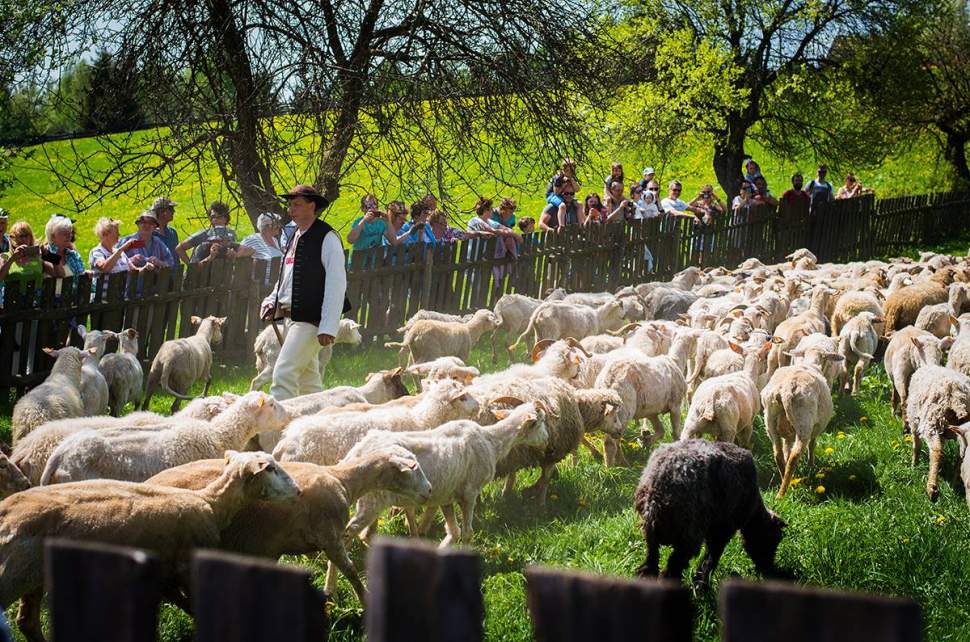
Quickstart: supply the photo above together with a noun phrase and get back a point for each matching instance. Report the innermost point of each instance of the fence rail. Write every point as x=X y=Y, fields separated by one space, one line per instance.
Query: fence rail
x=419 y=592
x=386 y=285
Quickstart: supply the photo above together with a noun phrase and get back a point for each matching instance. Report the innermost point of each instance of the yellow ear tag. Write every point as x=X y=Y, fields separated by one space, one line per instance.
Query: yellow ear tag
x=262 y=402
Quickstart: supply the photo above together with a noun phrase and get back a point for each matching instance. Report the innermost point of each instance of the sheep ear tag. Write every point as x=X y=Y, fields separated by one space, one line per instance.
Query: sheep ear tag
x=500 y=414
x=261 y=402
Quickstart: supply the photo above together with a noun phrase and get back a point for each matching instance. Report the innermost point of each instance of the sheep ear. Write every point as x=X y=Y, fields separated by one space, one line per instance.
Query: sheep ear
x=221 y=320
x=92 y=351
x=916 y=342
x=736 y=347
x=953 y=320
x=403 y=464
x=51 y=352
x=833 y=356
x=229 y=454
x=500 y=414
x=132 y=333
x=81 y=331
x=195 y=320
x=946 y=343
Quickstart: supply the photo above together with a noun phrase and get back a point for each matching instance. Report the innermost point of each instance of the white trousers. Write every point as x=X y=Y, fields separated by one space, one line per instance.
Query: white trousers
x=297 y=370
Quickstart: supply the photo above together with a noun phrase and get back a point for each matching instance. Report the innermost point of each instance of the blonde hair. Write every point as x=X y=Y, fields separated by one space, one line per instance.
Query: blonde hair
x=57 y=224
x=104 y=224
x=21 y=227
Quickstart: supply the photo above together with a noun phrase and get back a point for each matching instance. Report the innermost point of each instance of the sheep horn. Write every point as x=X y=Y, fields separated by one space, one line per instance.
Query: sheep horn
x=573 y=343
x=540 y=347
x=623 y=330
x=512 y=401
x=396 y=372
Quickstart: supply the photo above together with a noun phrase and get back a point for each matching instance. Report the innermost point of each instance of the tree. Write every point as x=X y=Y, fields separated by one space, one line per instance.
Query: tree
x=402 y=75
x=764 y=59
x=112 y=102
x=917 y=77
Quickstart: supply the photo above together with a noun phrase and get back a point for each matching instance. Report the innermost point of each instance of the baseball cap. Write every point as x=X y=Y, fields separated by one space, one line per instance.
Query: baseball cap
x=150 y=215
x=161 y=203
x=648 y=170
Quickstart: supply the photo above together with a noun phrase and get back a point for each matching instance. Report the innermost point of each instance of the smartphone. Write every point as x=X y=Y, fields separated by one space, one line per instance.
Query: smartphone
x=137 y=244
x=32 y=250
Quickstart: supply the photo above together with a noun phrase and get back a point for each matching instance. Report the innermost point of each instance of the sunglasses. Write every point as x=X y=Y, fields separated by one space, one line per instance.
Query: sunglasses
x=654 y=189
x=676 y=190
x=569 y=193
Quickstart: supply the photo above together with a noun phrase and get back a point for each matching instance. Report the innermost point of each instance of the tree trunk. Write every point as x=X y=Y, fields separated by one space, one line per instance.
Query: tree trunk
x=955 y=153
x=252 y=175
x=729 y=156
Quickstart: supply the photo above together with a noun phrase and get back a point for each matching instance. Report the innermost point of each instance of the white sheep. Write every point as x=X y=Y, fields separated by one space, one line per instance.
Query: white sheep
x=514 y=312
x=459 y=459
x=428 y=339
x=936 y=319
x=797 y=404
x=561 y=359
x=32 y=452
x=726 y=406
x=135 y=455
x=267 y=349
x=858 y=341
x=910 y=349
x=444 y=368
x=813 y=348
x=179 y=363
x=959 y=358
x=958 y=297
x=791 y=330
x=558 y=320
x=433 y=315
x=326 y=438
x=169 y=522
x=58 y=397
x=938 y=398
x=123 y=373
x=94 y=388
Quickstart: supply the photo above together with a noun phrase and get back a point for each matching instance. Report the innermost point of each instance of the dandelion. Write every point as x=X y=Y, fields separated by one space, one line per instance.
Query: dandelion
x=863 y=420
x=554 y=497
x=939 y=519
x=796 y=481
x=908 y=439
x=905 y=540
x=829 y=450
x=894 y=444
x=840 y=436
x=820 y=475
x=820 y=489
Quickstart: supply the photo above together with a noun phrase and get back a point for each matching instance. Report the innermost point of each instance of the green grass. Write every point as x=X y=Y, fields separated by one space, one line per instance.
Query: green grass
x=858 y=519
x=35 y=193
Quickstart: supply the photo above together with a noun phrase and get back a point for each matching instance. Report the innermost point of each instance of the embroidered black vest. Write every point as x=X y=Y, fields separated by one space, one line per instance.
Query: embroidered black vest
x=309 y=275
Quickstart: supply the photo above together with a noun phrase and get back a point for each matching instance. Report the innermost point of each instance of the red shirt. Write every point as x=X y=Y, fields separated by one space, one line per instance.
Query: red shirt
x=794 y=196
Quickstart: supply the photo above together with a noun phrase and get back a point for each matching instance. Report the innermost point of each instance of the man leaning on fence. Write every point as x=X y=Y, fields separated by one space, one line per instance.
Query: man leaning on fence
x=310 y=293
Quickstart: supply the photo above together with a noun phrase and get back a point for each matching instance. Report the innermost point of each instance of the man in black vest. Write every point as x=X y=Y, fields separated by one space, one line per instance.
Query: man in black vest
x=310 y=292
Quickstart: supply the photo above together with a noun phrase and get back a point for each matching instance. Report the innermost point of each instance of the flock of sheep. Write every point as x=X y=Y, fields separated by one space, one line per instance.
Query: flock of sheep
x=761 y=339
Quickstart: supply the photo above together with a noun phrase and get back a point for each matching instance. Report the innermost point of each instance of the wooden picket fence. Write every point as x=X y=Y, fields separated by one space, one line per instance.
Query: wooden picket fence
x=387 y=285
x=417 y=592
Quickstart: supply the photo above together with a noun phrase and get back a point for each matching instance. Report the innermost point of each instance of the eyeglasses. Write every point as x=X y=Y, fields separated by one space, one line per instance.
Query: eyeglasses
x=569 y=193
x=654 y=189
x=676 y=190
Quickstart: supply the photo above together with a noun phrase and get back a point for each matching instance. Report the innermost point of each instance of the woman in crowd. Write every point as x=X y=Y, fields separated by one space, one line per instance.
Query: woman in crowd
x=616 y=175
x=595 y=212
x=152 y=249
x=397 y=216
x=567 y=172
x=852 y=188
x=709 y=208
x=504 y=214
x=616 y=206
x=60 y=241
x=416 y=230
x=371 y=229
x=762 y=195
x=108 y=257
x=23 y=262
x=264 y=245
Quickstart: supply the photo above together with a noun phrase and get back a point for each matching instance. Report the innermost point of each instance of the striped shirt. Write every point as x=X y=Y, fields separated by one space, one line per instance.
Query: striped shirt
x=263 y=250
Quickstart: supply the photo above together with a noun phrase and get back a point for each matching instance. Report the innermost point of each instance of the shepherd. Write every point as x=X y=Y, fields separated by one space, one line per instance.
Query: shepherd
x=310 y=292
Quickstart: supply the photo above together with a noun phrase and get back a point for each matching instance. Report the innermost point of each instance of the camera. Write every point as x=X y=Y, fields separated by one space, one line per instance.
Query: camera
x=220 y=233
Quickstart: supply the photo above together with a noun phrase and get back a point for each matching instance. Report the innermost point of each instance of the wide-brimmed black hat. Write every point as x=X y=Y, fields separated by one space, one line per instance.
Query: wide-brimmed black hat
x=308 y=192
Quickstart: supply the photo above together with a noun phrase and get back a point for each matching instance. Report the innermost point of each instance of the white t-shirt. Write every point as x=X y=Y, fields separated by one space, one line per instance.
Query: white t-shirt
x=674 y=204
x=332 y=259
x=646 y=210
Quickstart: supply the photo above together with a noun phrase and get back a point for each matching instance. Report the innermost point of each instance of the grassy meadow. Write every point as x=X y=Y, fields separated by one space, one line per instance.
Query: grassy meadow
x=858 y=519
x=35 y=193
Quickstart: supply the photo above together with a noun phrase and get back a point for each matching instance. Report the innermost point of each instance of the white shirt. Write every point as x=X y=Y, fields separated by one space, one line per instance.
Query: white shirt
x=673 y=204
x=646 y=210
x=332 y=260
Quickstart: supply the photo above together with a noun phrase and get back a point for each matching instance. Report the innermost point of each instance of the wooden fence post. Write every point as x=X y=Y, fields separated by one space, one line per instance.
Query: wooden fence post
x=571 y=606
x=426 y=276
x=101 y=593
x=780 y=612
x=418 y=592
x=243 y=599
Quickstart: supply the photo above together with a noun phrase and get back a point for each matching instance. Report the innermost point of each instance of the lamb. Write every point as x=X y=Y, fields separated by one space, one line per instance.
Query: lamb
x=908 y=350
x=959 y=358
x=570 y=414
x=958 y=297
x=903 y=306
x=852 y=303
x=12 y=480
x=802 y=259
x=32 y=452
x=326 y=439
x=514 y=312
x=963 y=433
x=798 y=406
x=315 y=520
x=433 y=315
x=668 y=303
x=267 y=349
x=136 y=455
x=813 y=348
x=427 y=340
x=694 y=492
x=459 y=458
x=123 y=373
x=94 y=388
x=180 y=362
x=380 y=387
x=938 y=398
x=858 y=341
x=561 y=359
x=726 y=406
x=444 y=368
x=794 y=328
x=59 y=397
x=557 y=320
x=167 y=521
x=936 y=319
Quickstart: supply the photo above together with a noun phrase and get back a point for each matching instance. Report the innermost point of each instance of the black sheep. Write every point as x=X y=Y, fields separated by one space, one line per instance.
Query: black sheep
x=695 y=492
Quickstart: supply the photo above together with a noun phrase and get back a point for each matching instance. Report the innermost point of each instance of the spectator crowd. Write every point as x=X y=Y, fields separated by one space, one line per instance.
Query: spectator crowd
x=155 y=243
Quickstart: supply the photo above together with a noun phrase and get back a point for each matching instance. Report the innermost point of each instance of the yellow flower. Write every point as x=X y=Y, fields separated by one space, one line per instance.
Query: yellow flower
x=829 y=450
x=863 y=420
x=553 y=497
x=905 y=540
x=796 y=481
x=820 y=489
x=819 y=475
x=851 y=477
x=939 y=520
x=840 y=436
x=908 y=439
x=894 y=443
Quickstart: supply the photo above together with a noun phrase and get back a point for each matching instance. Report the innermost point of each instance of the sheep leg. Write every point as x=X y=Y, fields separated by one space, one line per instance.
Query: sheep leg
x=916 y=448
x=893 y=397
x=650 y=567
x=715 y=546
x=610 y=449
x=337 y=556
x=509 y=485
x=796 y=450
x=368 y=510
x=538 y=489
x=680 y=558
x=412 y=519
x=857 y=379
x=935 y=445
x=452 y=531
x=658 y=431
x=467 y=517
x=675 y=420
x=427 y=518
x=175 y=405
x=592 y=449
x=811 y=453
x=28 y=616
